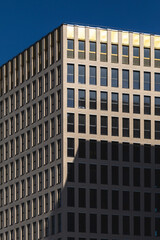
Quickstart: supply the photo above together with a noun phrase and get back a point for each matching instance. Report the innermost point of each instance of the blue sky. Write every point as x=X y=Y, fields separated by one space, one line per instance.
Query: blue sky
x=23 y=22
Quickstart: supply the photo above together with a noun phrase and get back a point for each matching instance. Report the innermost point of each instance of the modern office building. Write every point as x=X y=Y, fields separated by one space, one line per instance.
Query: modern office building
x=80 y=137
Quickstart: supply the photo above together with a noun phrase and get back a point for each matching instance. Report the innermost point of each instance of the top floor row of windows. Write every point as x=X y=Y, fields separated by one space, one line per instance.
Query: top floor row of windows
x=115 y=55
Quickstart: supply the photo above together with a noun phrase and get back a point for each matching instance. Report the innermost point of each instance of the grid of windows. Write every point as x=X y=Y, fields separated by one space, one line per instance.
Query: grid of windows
x=31 y=146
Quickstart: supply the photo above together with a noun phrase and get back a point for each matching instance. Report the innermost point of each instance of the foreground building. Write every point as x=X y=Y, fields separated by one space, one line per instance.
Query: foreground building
x=80 y=137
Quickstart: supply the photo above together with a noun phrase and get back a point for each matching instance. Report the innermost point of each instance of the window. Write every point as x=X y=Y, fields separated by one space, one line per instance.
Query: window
x=136 y=177
x=157 y=58
x=82 y=197
x=70 y=222
x=157 y=202
x=136 y=56
x=58 y=99
x=115 y=224
x=46 y=82
x=157 y=129
x=147 y=129
x=52 y=79
x=70 y=97
x=147 y=153
x=104 y=174
x=125 y=152
x=34 y=89
x=114 y=54
x=136 y=202
x=125 y=127
x=92 y=76
x=58 y=124
x=93 y=124
x=70 y=73
x=70 y=147
x=104 y=101
x=125 y=54
x=103 y=52
x=82 y=222
x=115 y=200
x=82 y=173
x=93 y=223
x=147 y=226
x=136 y=152
x=28 y=92
x=58 y=75
x=70 y=176
x=70 y=197
x=46 y=106
x=104 y=125
x=81 y=74
x=136 y=80
x=70 y=48
x=157 y=106
x=115 y=102
x=52 y=103
x=34 y=113
x=81 y=123
x=93 y=100
x=137 y=226
x=70 y=122
x=92 y=51
x=93 y=149
x=104 y=150
x=147 y=105
x=81 y=99
x=103 y=72
x=82 y=148
x=125 y=103
x=147 y=177
x=125 y=78
x=93 y=198
x=114 y=77
x=157 y=82
x=147 y=60
x=136 y=128
x=126 y=200
x=147 y=81
x=81 y=49
x=136 y=104
x=115 y=130
x=93 y=173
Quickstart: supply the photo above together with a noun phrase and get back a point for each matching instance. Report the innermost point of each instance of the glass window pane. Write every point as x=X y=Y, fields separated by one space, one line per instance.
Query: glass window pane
x=70 y=73
x=125 y=50
x=81 y=45
x=92 y=79
x=92 y=47
x=81 y=74
x=70 y=98
x=136 y=51
x=157 y=54
x=136 y=80
x=147 y=81
x=103 y=48
x=125 y=78
x=157 y=82
x=114 y=49
x=147 y=52
x=70 y=44
x=103 y=76
x=114 y=77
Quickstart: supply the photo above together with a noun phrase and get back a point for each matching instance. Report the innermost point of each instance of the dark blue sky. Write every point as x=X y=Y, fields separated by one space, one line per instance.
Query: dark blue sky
x=22 y=22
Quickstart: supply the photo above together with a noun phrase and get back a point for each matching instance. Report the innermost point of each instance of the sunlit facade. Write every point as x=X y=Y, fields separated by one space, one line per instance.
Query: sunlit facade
x=80 y=137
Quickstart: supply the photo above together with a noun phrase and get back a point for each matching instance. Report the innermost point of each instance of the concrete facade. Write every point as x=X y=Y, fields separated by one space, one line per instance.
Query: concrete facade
x=61 y=180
